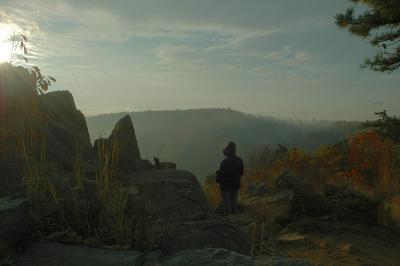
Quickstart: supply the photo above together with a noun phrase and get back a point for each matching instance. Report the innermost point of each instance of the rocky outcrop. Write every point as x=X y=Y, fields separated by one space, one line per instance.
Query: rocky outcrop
x=222 y=257
x=123 y=141
x=179 y=213
x=64 y=129
x=168 y=194
x=50 y=123
x=42 y=254
x=14 y=224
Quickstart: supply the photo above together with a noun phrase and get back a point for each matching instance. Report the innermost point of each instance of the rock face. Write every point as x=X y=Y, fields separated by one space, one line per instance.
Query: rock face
x=64 y=129
x=222 y=257
x=50 y=121
x=14 y=224
x=123 y=139
x=181 y=215
x=64 y=255
x=169 y=194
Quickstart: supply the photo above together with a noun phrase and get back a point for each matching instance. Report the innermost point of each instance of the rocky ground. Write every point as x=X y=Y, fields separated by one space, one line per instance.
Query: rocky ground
x=322 y=240
x=186 y=232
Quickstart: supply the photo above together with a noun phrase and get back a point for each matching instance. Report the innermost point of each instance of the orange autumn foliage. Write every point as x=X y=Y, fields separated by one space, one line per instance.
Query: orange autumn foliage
x=366 y=162
x=211 y=188
x=372 y=164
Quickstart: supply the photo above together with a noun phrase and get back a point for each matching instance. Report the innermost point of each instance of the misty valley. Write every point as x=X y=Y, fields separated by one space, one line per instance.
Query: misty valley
x=199 y=133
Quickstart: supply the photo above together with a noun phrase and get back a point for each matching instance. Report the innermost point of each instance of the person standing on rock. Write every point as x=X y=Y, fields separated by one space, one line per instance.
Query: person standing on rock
x=228 y=176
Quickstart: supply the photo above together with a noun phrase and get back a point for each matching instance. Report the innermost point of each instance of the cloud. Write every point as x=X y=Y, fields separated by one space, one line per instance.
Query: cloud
x=44 y=40
x=286 y=56
x=118 y=20
x=377 y=103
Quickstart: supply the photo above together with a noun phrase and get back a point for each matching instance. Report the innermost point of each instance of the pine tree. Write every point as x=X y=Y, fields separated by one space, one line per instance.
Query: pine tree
x=380 y=26
x=386 y=126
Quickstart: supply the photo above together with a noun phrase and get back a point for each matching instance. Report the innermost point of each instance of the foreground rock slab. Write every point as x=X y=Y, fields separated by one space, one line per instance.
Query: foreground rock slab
x=14 y=225
x=168 y=194
x=181 y=216
x=49 y=254
x=211 y=232
x=222 y=257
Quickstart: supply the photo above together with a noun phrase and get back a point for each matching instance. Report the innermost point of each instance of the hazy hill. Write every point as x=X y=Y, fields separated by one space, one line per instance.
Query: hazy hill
x=194 y=138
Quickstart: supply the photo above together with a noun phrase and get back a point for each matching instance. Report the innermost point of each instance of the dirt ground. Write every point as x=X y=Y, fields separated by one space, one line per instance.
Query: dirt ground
x=344 y=248
x=322 y=241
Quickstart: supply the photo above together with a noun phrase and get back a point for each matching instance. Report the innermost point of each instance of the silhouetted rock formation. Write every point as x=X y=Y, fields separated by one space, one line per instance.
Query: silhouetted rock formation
x=48 y=122
x=64 y=129
x=123 y=140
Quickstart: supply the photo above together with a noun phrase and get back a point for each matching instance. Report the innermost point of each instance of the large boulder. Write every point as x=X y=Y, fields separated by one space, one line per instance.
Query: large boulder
x=179 y=214
x=197 y=233
x=168 y=194
x=222 y=257
x=64 y=129
x=44 y=254
x=14 y=225
x=123 y=140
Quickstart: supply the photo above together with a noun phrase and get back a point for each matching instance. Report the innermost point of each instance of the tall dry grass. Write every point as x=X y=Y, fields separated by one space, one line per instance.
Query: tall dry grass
x=114 y=224
x=35 y=168
x=93 y=207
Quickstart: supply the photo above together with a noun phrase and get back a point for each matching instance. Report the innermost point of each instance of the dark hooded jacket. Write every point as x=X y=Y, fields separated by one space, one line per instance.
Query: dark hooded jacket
x=230 y=172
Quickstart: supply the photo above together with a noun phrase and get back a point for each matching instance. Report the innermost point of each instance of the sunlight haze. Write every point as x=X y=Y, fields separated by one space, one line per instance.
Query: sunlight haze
x=277 y=58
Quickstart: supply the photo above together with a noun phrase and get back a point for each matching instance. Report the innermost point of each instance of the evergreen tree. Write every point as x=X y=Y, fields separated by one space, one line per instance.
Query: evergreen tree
x=386 y=126
x=379 y=24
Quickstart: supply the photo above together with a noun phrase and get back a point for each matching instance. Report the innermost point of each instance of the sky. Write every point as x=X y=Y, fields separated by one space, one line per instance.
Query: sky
x=283 y=58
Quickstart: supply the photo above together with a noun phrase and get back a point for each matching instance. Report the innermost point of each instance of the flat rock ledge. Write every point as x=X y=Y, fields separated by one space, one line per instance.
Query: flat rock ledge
x=50 y=254
x=223 y=257
x=14 y=225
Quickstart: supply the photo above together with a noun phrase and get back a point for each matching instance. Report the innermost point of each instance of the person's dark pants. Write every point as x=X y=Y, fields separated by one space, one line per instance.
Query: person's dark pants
x=229 y=201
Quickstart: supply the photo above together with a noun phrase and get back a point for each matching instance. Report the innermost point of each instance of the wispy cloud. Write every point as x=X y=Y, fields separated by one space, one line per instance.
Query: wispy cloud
x=258 y=53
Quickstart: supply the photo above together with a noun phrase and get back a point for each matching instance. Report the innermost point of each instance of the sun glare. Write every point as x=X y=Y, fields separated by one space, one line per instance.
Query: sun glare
x=6 y=30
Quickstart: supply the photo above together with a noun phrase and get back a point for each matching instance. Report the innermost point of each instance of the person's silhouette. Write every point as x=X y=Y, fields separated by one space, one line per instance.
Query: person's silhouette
x=228 y=176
